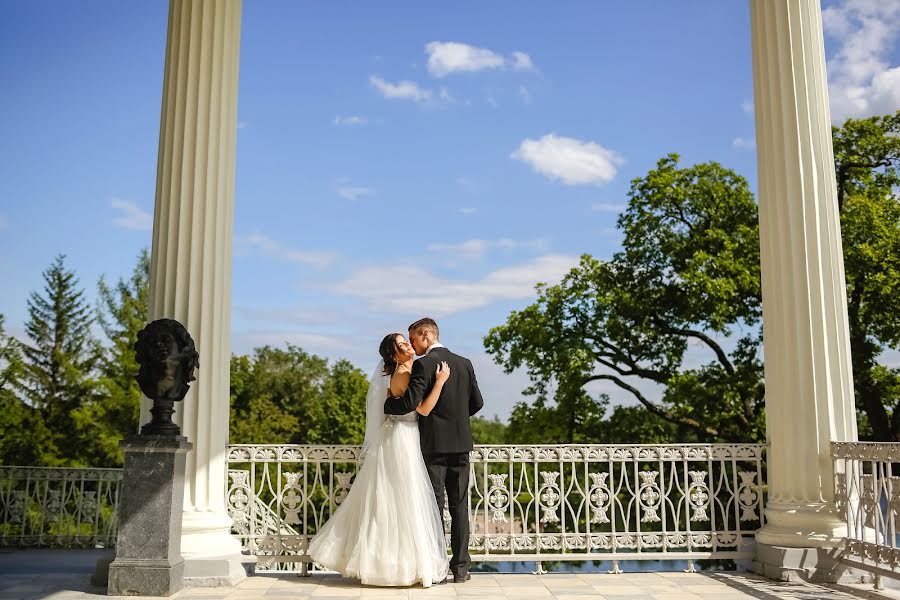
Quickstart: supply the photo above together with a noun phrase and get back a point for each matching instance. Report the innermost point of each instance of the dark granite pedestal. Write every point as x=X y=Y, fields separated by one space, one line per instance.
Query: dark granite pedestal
x=148 y=547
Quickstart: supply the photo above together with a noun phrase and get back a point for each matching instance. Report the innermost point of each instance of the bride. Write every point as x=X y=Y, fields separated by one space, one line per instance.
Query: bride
x=388 y=530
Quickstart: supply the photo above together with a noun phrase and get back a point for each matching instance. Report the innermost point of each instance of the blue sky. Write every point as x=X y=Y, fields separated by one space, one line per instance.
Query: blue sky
x=394 y=159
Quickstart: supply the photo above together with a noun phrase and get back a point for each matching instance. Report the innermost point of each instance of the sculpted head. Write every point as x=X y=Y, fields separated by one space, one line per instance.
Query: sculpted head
x=167 y=357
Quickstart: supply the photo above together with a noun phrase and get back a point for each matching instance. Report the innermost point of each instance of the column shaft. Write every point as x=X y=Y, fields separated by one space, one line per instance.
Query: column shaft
x=809 y=386
x=190 y=273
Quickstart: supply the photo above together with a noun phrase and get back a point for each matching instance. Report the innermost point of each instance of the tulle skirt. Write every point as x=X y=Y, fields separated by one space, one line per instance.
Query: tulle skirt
x=387 y=531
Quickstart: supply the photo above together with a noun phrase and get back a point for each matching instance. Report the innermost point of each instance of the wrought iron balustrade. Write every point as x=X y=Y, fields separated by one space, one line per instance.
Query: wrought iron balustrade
x=527 y=503
x=58 y=507
x=867 y=495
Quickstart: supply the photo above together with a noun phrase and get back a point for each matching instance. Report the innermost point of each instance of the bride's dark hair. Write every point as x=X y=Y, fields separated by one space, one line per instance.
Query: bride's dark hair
x=388 y=351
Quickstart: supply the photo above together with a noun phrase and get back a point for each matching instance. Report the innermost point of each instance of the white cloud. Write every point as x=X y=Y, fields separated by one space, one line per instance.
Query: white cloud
x=413 y=289
x=243 y=124
x=275 y=249
x=468 y=210
x=4 y=222
x=350 y=120
x=747 y=107
x=452 y=57
x=861 y=81
x=455 y=57
x=402 y=90
x=521 y=61
x=744 y=143
x=573 y=161
x=353 y=193
x=614 y=207
x=475 y=249
x=131 y=216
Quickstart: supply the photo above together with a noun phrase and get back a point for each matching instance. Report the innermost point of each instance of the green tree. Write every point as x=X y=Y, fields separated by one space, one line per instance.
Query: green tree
x=687 y=275
x=60 y=359
x=114 y=411
x=867 y=159
x=290 y=396
x=22 y=430
x=489 y=431
x=341 y=414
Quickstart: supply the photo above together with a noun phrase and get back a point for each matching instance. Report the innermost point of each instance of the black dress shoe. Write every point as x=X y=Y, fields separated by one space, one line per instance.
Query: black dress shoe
x=462 y=577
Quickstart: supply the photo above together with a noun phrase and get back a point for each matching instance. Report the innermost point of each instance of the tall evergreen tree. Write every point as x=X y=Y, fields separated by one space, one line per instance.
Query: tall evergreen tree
x=114 y=412
x=22 y=431
x=60 y=360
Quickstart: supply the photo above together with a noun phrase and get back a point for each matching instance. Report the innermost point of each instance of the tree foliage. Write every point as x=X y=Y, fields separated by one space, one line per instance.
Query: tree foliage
x=687 y=276
x=291 y=396
x=867 y=164
x=115 y=408
x=60 y=359
x=23 y=434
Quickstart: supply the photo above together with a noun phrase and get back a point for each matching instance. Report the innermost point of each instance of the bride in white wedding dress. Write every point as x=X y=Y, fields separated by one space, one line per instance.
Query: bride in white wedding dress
x=388 y=531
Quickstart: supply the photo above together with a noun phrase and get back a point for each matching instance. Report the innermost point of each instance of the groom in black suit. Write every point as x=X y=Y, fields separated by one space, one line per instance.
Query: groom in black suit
x=446 y=434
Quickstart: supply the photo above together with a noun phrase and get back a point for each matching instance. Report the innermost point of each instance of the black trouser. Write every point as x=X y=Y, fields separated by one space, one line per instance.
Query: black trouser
x=450 y=472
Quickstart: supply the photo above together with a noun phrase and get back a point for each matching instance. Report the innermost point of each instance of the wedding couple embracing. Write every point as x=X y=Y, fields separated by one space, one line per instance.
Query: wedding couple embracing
x=388 y=531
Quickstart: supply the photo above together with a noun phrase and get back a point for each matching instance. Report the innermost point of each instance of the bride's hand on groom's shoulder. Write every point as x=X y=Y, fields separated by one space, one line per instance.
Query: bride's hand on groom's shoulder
x=442 y=373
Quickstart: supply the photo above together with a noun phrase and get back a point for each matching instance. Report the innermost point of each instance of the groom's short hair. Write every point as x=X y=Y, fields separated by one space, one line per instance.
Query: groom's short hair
x=426 y=323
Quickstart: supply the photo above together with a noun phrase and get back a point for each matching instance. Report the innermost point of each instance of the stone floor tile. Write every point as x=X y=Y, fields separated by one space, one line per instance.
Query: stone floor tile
x=707 y=589
x=205 y=592
x=661 y=589
x=466 y=590
x=256 y=582
x=440 y=591
x=270 y=594
x=619 y=590
x=380 y=590
x=336 y=592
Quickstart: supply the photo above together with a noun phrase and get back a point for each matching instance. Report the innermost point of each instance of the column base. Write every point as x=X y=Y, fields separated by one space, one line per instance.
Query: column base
x=802 y=526
x=145 y=578
x=212 y=556
x=813 y=565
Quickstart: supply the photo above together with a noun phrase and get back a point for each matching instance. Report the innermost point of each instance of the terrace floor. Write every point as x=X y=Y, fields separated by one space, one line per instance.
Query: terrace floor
x=64 y=575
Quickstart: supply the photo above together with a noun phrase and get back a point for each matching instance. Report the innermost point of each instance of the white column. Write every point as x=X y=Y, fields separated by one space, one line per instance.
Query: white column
x=809 y=385
x=190 y=269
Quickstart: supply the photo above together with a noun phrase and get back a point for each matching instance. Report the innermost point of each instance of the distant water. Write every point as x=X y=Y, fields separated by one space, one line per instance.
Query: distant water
x=602 y=566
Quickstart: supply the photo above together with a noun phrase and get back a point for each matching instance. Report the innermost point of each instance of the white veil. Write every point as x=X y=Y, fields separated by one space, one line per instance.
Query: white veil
x=378 y=392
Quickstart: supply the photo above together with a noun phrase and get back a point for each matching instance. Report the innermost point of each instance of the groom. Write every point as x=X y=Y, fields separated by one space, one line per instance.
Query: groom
x=445 y=434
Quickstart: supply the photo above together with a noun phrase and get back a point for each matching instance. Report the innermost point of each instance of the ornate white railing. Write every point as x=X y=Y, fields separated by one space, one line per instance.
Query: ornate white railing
x=527 y=503
x=58 y=507
x=867 y=494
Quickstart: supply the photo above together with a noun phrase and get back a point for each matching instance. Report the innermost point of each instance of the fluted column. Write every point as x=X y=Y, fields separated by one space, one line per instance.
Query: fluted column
x=190 y=269
x=809 y=385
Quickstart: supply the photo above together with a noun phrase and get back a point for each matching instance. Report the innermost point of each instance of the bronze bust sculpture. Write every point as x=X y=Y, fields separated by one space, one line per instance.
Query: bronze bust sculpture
x=167 y=357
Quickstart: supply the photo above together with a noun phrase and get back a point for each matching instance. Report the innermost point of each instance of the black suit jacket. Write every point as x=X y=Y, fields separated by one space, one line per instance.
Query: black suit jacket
x=447 y=428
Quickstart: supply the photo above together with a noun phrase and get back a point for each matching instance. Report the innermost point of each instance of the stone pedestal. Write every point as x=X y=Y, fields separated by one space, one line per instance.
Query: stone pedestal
x=148 y=547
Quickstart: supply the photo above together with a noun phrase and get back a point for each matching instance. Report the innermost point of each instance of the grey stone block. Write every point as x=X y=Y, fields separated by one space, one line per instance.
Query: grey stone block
x=148 y=547
x=814 y=565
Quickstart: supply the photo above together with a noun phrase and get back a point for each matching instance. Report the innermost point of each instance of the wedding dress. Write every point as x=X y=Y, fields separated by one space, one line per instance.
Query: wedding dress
x=387 y=531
